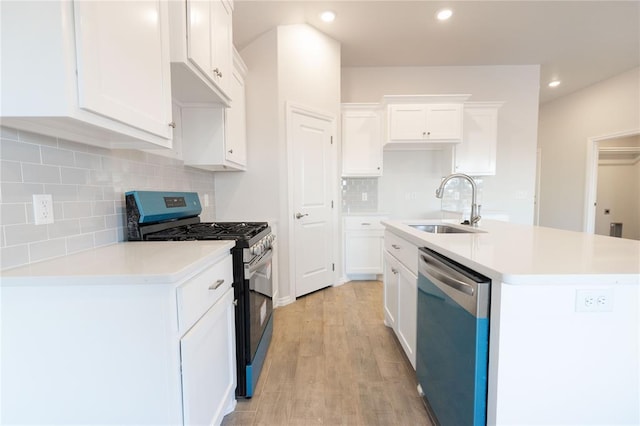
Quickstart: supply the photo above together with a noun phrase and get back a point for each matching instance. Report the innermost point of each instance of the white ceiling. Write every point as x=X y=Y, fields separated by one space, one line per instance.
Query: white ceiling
x=578 y=42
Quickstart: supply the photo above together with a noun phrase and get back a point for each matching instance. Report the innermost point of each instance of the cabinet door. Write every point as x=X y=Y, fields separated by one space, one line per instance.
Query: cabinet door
x=209 y=364
x=221 y=51
x=236 y=136
x=476 y=155
x=361 y=144
x=364 y=252
x=444 y=121
x=407 y=312
x=391 y=271
x=199 y=35
x=407 y=121
x=123 y=62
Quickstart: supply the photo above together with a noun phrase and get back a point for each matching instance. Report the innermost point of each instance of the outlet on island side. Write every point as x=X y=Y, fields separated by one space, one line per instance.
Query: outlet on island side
x=597 y=300
x=42 y=209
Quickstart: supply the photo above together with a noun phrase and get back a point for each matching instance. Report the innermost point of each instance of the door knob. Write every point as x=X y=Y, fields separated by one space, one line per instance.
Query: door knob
x=300 y=216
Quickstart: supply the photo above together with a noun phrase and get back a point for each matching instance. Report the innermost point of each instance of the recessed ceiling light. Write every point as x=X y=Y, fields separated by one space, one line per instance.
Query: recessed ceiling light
x=554 y=83
x=328 y=16
x=444 y=14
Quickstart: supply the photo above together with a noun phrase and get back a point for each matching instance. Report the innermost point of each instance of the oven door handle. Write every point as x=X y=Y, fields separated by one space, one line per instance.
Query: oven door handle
x=251 y=268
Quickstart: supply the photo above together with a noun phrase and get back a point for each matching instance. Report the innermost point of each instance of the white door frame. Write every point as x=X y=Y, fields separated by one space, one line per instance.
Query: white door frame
x=591 y=186
x=292 y=108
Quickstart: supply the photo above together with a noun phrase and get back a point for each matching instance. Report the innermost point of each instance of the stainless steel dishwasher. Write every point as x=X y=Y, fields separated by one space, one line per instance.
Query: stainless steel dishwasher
x=452 y=340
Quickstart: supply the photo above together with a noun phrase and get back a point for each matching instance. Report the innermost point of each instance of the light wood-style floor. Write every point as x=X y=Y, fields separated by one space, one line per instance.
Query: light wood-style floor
x=333 y=361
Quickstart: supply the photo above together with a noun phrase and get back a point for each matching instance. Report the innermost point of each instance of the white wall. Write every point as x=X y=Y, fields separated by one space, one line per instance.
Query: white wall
x=292 y=63
x=619 y=192
x=566 y=124
x=512 y=189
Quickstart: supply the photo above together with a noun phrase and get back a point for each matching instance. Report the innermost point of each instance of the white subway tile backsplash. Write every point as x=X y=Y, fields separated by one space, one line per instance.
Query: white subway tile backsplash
x=16 y=192
x=73 y=176
x=63 y=228
x=92 y=224
x=57 y=157
x=79 y=243
x=14 y=256
x=24 y=234
x=76 y=209
x=47 y=249
x=11 y=171
x=86 y=160
x=87 y=184
x=38 y=173
x=12 y=214
x=106 y=237
x=61 y=192
x=12 y=150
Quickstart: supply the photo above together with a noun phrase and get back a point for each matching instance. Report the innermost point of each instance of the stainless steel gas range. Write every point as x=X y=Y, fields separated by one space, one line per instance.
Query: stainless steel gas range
x=174 y=216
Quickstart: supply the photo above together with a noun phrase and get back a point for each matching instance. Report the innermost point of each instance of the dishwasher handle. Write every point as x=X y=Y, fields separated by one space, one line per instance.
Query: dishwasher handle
x=447 y=279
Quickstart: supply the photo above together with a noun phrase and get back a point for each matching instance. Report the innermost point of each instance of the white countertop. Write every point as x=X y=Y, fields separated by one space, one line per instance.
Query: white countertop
x=139 y=262
x=523 y=254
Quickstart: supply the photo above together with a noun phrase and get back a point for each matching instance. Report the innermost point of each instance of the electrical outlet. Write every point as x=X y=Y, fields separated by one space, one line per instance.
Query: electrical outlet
x=600 y=300
x=42 y=209
x=364 y=196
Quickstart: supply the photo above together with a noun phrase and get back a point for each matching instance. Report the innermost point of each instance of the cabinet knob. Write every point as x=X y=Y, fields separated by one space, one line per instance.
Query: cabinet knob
x=217 y=72
x=230 y=151
x=394 y=270
x=424 y=133
x=395 y=246
x=172 y=124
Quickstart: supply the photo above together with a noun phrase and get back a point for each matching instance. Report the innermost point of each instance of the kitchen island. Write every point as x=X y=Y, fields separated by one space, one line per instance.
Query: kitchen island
x=131 y=333
x=554 y=357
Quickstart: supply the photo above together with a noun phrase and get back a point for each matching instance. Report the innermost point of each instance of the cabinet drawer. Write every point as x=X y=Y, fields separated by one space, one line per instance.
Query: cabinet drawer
x=364 y=223
x=198 y=294
x=403 y=250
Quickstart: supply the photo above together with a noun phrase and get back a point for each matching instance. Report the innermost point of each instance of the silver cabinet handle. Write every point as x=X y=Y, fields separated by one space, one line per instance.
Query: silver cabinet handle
x=300 y=215
x=395 y=271
x=230 y=151
x=365 y=223
x=172 y=124
x=215 y=285
x=395 y=246
x=217 y=72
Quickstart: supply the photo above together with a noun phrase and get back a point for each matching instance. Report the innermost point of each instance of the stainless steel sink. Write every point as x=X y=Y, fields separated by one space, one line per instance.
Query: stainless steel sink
x=441 y=229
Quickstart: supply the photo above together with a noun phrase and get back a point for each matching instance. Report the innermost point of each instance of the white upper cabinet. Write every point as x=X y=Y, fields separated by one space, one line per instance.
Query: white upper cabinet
x=201 y=51
x=106 y=76
x=476 y=155
x=361 y=140
x=424 y=119
x=214 y=137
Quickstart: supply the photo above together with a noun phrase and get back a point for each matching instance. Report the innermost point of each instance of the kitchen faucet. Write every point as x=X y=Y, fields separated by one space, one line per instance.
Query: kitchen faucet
x=475 y=216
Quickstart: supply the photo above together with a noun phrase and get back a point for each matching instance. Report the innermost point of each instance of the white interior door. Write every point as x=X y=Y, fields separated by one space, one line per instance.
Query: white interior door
x=313 y=158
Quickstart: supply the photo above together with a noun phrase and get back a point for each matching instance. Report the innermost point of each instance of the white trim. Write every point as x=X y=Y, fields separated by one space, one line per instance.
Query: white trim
x=290 y=109
x=591 y=181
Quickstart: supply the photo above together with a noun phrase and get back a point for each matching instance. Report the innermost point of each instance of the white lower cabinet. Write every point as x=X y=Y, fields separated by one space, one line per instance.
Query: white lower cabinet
x=208 y=364
x=407 y=312
x=158 y=352
x=401 y=291
x=363 y=245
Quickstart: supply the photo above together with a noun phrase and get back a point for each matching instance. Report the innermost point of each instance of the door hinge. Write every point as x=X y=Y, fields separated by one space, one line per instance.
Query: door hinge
x=333 y=266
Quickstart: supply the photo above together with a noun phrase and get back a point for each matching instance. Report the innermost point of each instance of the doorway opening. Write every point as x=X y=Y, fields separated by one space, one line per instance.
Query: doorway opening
x=612 y=201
